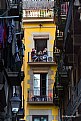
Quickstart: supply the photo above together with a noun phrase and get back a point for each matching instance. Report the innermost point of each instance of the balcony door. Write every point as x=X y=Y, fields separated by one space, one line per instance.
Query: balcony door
x=40 y=44
x=40 y=84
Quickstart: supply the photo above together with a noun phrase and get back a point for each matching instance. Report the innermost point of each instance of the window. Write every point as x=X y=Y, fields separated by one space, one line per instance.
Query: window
x=40 y=84
x=40 y=118
x=40 y=44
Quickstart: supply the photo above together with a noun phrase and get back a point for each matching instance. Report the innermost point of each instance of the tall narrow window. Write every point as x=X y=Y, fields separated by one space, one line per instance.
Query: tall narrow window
x=36 y=84
x=40 y=84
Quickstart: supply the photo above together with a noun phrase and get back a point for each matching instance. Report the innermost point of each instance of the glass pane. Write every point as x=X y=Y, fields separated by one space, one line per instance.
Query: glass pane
x=36 y=119
x=43 y=119
x=37 y=84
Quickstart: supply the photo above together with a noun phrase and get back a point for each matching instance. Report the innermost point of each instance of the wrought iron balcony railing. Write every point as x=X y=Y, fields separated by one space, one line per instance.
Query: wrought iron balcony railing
x=14 y=2
x=60 y=11
x=36 y=96
x=59 y=39
x=15 y=9
x=38 y=13
x=41 y=57
x=59 y=34
x=14 y=78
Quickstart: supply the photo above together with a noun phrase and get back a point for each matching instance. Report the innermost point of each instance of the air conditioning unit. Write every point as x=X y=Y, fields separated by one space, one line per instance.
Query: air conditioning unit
x=50 y=59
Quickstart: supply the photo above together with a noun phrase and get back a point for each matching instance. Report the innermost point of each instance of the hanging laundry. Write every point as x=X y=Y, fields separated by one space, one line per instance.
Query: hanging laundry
x=23 y=48
x=4 y=34
x=17 y=53
x=9 y=32
x=17 y=59
x=16 y=48
x=13 y=23
x=14 y=37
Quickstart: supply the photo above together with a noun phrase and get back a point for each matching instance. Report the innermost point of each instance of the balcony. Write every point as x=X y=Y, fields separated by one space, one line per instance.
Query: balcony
x=15 y=8
x=64 y=77
x=60 y=11
x=38 y=9
x=41 y=59
x=36 y=4
x=34 y=97
x=59 y=39
x=56 y=52
x=14 y=78
x=63 y=15
x=38 y=13
x=62 y=22
x=14 y=3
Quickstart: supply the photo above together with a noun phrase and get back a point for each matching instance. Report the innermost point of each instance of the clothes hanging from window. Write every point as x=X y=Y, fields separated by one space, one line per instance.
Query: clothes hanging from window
x=4 y=34
x=14 y=37
x=9 y=32
x=16 y=53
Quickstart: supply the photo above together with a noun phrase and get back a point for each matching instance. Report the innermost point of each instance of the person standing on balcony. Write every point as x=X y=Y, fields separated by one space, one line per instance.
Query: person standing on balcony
x=45 y=54
x=33 y=54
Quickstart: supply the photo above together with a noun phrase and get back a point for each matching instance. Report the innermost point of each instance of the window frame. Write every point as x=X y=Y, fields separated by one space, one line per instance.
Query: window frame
x=41 y=85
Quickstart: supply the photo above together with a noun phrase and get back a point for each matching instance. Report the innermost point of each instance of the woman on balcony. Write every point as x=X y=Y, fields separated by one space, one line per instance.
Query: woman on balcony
x=33 y=55
x=45 y=54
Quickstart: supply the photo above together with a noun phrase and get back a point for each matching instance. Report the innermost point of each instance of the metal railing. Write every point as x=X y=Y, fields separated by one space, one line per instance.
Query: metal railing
x=59 y=33
x=15 y=4
x=14 y=1
x=38 y=13
x=38 y=96
x=41 y=57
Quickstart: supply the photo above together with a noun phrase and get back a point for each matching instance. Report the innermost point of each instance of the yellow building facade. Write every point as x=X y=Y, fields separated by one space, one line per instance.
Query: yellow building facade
x=39 y=68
